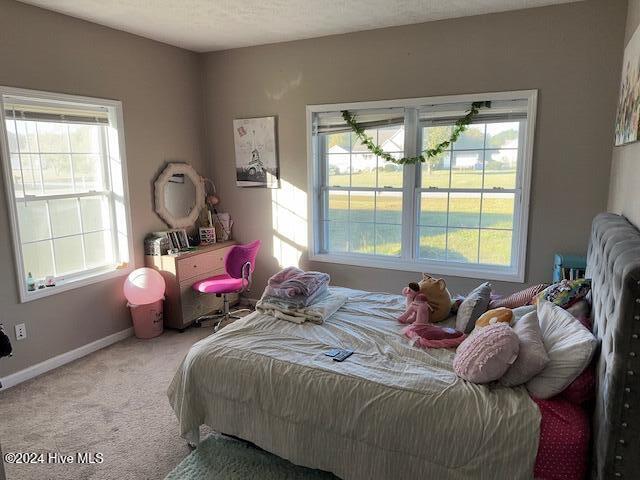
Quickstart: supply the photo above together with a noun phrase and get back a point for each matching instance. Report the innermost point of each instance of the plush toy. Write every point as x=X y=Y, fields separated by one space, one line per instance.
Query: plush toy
x=497 y=315
x=435 y=290
x=422 y=332
x=418 y=308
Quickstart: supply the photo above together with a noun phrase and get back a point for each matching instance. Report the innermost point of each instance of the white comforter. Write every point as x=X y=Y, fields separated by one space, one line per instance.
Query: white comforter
x=390 y=411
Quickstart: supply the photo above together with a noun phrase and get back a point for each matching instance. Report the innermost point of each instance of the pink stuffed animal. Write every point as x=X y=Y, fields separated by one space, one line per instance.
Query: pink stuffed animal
x=409 y=295
x=418 y=308
x=421 y=331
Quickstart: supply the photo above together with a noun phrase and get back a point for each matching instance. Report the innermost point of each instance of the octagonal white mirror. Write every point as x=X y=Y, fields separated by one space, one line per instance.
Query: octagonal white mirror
x=179 y=195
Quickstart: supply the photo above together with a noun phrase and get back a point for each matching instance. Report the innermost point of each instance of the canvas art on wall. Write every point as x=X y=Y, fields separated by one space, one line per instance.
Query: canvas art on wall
x=628 y=115
x=256 y=152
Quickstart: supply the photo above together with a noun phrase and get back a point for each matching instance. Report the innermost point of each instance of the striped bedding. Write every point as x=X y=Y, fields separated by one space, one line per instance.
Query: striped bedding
x=518 y=299
x=389 y=411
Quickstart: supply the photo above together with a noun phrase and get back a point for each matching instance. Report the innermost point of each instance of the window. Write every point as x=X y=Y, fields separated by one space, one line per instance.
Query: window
x=363 y=195
x=462 y=213
x=66 y=184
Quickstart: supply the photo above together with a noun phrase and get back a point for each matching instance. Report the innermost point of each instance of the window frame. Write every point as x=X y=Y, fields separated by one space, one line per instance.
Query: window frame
x=90 y=275
x=408 y=260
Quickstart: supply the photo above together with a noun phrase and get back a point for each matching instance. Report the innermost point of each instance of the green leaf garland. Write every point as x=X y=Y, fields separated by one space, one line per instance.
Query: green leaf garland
x=459 y=127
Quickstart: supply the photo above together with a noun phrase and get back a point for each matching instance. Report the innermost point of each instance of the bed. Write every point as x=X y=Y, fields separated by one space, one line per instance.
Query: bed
x=394 y=411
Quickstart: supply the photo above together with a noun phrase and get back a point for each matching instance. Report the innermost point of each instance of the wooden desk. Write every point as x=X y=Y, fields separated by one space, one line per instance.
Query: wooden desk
x=182 y=304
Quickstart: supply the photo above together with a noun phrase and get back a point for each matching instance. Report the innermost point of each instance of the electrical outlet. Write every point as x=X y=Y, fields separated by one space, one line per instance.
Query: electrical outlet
x=21 y=331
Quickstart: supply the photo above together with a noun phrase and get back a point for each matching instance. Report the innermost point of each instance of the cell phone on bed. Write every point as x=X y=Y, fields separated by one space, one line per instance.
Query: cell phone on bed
x=333 y=352
x=343 y=355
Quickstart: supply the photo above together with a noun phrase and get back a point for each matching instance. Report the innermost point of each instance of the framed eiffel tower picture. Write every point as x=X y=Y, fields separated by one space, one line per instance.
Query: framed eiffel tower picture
x=256 y=152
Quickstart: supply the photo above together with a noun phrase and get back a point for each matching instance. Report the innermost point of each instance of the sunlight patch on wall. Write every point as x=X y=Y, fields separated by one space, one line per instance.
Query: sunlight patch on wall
x=288 y=85
x=289 y=214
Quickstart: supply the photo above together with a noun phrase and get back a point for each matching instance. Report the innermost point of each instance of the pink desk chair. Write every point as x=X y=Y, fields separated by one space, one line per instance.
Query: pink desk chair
x=239 y=264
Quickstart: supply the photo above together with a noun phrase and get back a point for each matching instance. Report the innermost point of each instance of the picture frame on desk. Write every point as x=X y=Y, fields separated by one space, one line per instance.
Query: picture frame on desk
x=178 y=239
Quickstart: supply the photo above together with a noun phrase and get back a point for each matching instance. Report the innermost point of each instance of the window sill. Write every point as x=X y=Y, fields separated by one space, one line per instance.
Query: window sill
x=439 y=268
x=76 y=282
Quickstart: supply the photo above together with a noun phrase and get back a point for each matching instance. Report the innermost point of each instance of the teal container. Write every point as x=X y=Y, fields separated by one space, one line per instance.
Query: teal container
x=568 y=267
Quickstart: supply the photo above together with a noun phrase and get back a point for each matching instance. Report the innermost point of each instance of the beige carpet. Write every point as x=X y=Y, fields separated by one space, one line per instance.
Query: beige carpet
x=112 y=401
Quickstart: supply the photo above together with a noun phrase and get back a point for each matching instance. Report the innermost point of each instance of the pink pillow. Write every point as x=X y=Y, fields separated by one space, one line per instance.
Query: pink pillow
x=586 y=321
x=487 y=353
x=518 y=299
x=583 y=388
x=581 y=309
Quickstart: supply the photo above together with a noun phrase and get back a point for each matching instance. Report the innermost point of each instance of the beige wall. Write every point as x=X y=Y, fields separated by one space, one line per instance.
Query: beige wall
x=624 y=195
x=571 y=53
x=160 y=87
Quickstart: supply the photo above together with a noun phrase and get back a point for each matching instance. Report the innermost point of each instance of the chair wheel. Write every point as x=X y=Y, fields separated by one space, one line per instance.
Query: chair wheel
x=197 y=324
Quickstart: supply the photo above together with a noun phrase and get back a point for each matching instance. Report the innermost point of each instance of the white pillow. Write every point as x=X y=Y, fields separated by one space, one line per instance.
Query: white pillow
x=520 y=312
x=532 y=357
x=569 y=345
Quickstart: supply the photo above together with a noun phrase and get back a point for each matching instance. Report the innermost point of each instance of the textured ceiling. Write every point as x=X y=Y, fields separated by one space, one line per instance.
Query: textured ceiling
x=207 y=25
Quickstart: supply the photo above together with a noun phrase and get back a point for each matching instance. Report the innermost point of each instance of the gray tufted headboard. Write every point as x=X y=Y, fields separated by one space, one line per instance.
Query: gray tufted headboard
x=613 y=264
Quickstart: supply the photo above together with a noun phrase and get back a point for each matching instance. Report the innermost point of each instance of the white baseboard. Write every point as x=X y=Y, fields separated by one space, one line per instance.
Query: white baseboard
x=62 y=359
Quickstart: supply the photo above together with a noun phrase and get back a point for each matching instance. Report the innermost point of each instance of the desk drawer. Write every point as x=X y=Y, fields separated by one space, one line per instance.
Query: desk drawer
x=196 y=265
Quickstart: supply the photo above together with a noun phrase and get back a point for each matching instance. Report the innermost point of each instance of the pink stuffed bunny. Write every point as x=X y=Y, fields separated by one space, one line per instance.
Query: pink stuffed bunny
x=417 y=308
x=421 y=331
x=409 y=295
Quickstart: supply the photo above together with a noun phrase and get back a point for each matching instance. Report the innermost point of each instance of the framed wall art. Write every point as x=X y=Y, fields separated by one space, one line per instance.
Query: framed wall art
x=628 y=115
x=256 y=152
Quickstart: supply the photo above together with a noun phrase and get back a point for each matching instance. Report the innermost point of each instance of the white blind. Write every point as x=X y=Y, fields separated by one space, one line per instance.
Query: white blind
x=440 y=114
x=332 y=122
x=500 y=110
x=55 y=113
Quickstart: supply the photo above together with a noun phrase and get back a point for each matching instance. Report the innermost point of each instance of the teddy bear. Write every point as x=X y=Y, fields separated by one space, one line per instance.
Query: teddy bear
x=436 y=293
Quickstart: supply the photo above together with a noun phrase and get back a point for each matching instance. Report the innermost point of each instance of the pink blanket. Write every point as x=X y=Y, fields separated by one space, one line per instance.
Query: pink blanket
x=565 y=434
x=433 y=336
x=293 y=282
